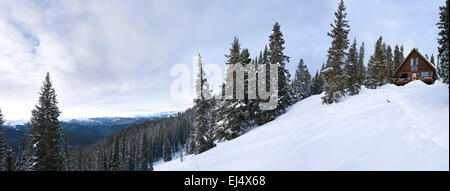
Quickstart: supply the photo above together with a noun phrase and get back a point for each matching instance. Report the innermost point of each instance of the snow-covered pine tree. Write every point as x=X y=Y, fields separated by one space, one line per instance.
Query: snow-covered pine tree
x=202 y=111
x=301 y=85
x=351 y=70
x=2 y=145
x=361 y=68
x=276 y=56
x=432 y=60
x=377 y=70
x=333 y=74
x=402 y=55
x=397 y=59
x=21 y=161
x=67 y=160
x=45 y=131
x=264 y=116
x=131 y=163
x=253 y=103
x=370 y=81
x=167 y=152
x=123 y=155
x=250 y=106
x=242 y=110
x=10 y=160
x=443 y=41
x=114 y=164
x=144 y=153
x=389 y=61
x=232 y=121
x=315 y=84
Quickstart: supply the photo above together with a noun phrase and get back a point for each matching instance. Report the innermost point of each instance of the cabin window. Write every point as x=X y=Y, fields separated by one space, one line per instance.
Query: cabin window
x=417 y=61
x=424 y=74
x=404 y=75
x=412 y=61
x=414 y=68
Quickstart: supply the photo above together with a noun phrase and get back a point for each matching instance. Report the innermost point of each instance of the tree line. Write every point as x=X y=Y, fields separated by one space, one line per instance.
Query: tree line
x=213 y=118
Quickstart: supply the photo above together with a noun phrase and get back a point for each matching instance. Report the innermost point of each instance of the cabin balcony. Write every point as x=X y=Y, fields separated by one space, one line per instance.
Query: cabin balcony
x=401 y=81
x=428 y=79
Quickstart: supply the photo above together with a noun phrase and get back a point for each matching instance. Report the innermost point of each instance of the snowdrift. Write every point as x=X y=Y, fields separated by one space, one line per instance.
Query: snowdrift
x=389 y=128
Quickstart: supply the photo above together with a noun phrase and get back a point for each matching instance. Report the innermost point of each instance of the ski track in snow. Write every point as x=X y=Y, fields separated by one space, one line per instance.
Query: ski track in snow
x=389 y=128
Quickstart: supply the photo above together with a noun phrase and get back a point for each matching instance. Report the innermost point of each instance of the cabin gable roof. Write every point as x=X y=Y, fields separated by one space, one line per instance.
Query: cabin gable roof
x=407 y=56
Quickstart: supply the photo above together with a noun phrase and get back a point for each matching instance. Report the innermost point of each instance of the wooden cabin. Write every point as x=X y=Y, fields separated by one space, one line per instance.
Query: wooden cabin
x=415 y=67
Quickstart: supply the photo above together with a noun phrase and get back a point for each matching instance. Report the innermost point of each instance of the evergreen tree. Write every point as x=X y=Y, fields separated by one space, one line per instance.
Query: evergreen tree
x=21 y=161
x=144 y=152
x=443 y=41
x=10 y=161
x=432 y=60
x=276 y=56
x=264 y=116
x=245 y=109
x=389 y=63
x=232 y=112
x=333 y=74
x=114 y=164
x=402 y=55
x=301 y=85
x=361 y=69
x=351 y=70
x=397 y=59
x=2 y=145
x=315 y=84
x=45 y=131
x=202 y=108
x=123 y=154
x=376 y=73
x=67 y=162
x=167 y=153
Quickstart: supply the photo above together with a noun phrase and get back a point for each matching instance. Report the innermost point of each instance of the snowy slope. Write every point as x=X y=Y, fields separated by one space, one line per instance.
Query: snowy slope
x=390 y=128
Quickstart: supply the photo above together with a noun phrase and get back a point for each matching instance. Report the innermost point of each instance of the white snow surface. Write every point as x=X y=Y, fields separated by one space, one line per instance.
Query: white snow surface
x=389 y=128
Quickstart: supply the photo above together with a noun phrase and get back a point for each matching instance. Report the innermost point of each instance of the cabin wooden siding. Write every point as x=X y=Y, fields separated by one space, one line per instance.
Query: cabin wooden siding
x=406 y=68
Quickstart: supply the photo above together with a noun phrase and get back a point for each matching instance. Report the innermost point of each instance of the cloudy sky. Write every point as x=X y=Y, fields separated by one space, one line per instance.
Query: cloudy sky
x=114 y=57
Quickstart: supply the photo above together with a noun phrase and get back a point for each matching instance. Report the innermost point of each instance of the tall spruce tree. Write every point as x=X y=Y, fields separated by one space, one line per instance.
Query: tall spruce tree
x=397 y=59
x=10 y=160
x=276 y=56
x=67 y=160
x=361 y=68
x=389 y=64
x=376 y=74
x=231 y=122
x=432 y=60
x=315 y=84
x=45 y=131
x=402 y=55
x=2 y=145
x=202 y=111
x=266 y=115
x=352 y=70
x=144 y=152
x=114 y=164
x=443 y=41
x=21 y=161
x=167 y=152
x=301 y=85
x=333 y=74
x=263 y=116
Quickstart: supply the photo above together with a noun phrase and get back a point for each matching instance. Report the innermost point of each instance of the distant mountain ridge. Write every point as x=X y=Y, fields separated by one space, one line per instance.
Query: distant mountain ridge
x=84 y=131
